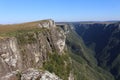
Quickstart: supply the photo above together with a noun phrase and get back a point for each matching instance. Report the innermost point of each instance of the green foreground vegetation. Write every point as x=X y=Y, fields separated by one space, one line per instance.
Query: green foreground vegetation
x=58 y=64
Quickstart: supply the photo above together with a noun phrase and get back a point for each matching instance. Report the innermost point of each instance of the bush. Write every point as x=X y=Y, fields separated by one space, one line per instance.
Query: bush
x=57 y=65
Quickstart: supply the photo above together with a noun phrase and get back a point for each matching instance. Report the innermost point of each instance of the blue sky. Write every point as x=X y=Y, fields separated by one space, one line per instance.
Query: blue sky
x=17 y=11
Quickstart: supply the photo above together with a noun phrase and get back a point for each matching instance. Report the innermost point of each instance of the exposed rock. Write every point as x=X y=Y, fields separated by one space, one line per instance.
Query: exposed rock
x=61 y=45
x=30 y=74
x=47 y=24
x=48 y=76
x=14 y=75
x=30 y=49
x=9 y=51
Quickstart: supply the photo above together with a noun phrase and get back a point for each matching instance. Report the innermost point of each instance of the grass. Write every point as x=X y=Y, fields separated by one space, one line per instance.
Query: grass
x=22 y=26
x=12 y=29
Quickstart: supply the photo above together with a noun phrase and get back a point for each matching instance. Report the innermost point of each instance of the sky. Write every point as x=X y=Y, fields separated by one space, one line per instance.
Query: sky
x=18 y=11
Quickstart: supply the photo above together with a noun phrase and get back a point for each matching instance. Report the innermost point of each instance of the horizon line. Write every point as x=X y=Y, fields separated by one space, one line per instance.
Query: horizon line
x=21 y=22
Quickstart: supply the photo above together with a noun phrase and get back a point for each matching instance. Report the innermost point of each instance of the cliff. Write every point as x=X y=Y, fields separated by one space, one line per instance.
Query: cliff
x=104 y=39
x=38 y=45
x=84 y=64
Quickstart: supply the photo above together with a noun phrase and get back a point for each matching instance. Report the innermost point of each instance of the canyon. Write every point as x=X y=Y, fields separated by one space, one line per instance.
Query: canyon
x=48 y=50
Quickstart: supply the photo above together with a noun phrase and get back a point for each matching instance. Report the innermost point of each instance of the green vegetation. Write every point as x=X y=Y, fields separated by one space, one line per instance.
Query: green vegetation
x=84 y=71
x=84 y=64
x=104 y=39
x=77 y=46
x=15 y=33
x=16 y=27
x=13 y=29
x=58 y=64
x=28 y=37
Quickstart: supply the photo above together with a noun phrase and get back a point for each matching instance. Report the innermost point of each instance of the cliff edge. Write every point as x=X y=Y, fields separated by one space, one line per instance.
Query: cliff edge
x=38 y=45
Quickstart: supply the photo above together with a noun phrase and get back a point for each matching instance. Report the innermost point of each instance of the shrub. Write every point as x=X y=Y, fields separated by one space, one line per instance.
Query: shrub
x=57 y=65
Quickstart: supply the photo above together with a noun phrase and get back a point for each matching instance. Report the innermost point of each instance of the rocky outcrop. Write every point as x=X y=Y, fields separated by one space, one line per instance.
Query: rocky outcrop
x=47 y=24
x=30 y=49
x=30 y=74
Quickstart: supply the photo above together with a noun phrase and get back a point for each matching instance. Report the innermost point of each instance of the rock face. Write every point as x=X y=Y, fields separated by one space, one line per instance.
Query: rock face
x=48 y=76
x=47 y=24
x=30 y=49
x=104 y=39
x=30 y=74
x=84 y=64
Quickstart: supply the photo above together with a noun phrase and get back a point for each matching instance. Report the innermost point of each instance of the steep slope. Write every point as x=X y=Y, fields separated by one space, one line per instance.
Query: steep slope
x=84 y=65
x=104 y=39
x=41 y=50
x=27 y=50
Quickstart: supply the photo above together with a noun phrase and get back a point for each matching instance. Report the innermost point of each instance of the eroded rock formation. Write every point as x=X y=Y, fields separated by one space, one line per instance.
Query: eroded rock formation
x=30 y=49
